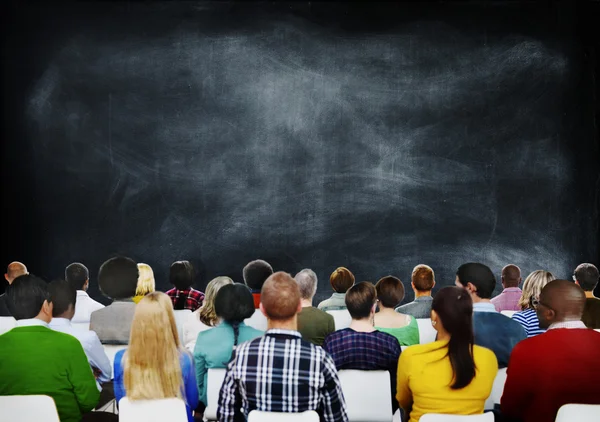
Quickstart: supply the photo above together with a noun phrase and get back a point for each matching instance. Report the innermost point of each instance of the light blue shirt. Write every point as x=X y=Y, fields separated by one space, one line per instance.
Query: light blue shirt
x=91 y=346
x=484 y=307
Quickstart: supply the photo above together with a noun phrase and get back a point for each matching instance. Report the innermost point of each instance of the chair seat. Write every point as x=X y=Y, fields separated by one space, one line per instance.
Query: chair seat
x=172 y=410
x=259 y=416
x=341 y=318
x=214 y=380
x=372 y=404
x=33 y=408
x=578 y=413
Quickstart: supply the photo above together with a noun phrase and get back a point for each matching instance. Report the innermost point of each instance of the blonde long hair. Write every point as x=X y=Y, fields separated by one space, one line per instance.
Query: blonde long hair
x=151 y=362
x=145 y=283
x=532 y=287
x=207 y=313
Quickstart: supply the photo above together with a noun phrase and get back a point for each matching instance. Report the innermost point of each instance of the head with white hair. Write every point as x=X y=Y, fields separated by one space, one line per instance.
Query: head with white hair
x=307 y=283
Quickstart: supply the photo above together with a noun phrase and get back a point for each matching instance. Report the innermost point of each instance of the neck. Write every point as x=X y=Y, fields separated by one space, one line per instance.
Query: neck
x=364 y=325
x=510 y=287
x=589 y=294
x=306 y=303
x=65 y=316
x=422 y=294
x=287 y=324
x=477 y=299
x=387 y=311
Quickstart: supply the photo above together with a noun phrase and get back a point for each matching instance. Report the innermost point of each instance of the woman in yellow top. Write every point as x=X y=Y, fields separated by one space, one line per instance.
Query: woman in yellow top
x=450 y=375
x=146 y=283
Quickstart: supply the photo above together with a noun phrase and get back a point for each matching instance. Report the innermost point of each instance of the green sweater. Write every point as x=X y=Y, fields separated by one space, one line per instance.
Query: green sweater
x=38 y=360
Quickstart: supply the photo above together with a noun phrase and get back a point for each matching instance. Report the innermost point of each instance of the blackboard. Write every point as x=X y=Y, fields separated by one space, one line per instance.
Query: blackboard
x=375 y=137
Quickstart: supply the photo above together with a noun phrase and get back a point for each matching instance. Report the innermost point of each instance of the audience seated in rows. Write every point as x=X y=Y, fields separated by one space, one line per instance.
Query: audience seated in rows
x=204 y=317
x=145 y=283
x=341 y=280
x=557 y=367
x=362 y=346
x=63 y=297
x=390 y=293
x=215 y=348
x=14 y=270
x=255 y=273
x=491 y=329
x=78 y=276
x=422 y=282
x=586 y=276
x=508 y=300
x=532 y=287
x=281 y=372
x=450 y=375
x=183 y=296
x=313 y=324
x=154 y=365
x=118 y=279
x=38 y=360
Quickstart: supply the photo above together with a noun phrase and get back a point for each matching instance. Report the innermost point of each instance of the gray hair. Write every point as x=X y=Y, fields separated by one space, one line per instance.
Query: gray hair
x=307 y=282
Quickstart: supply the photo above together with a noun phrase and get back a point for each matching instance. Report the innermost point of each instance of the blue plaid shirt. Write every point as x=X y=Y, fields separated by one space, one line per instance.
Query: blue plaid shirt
x=280 y=372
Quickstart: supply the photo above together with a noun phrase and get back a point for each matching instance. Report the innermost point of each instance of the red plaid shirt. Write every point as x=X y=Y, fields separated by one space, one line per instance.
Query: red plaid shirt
x=194 y=298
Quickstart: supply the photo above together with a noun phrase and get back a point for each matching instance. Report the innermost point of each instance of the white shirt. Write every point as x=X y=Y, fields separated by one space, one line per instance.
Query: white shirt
x=91 y=346
x=84 y=306
x=192 y=326
x=31 y=322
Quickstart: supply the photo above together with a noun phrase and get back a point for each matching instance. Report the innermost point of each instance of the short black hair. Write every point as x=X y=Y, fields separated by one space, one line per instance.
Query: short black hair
x=480 y=276
x=256 y=272
x=181 y=275
x=62 y=294
x=234 y=303
x=118 y=277
x=26 y=295
x=587 y=276
x=77 y=274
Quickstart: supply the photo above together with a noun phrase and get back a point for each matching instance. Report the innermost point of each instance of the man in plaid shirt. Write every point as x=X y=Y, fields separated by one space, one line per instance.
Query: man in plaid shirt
x=183 y=296
x=280 y=372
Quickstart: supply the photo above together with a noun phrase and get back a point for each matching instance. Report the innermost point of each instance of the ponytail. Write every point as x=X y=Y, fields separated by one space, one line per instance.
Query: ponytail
x=236 y=333
x=460 y=352
x=180 y=303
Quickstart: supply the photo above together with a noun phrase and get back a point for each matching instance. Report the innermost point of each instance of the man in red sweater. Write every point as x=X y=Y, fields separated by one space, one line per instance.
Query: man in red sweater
x=558 y=367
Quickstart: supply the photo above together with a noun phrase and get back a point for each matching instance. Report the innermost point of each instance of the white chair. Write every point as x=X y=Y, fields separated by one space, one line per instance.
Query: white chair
x=508 y=313
x=597 y=329
x=257 y=321
x=439 y=417
x=259 y=416
x=370 y=404
x=172 y=410
x=81 y=325
x=427 y=333
x=578 y=413
x=497 y=389
x=180 y=317
x=111 y=350
x=7 y=323
x=32 y=408
x=214 y=380
x=341 y=318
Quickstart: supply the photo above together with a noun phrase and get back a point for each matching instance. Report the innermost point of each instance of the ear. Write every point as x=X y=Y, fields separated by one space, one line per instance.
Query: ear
x=6 y=278
x=412 y=285
x=433 y=285
x=577 y=282
x=262 y=309
x=471 y=288
x=299 y=308
x=86 y=285
x=47 y=308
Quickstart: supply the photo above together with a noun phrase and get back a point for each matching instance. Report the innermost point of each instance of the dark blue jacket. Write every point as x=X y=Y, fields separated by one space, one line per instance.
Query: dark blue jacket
x=498 y=333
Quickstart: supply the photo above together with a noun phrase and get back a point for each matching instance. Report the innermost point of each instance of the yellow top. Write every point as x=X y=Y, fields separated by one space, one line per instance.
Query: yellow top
x=137 y=298
x=425 y=375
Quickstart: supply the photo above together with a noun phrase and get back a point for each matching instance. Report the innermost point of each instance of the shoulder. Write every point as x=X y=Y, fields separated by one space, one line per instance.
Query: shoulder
x=406 y=306
x=171 y=292
x=483 y=355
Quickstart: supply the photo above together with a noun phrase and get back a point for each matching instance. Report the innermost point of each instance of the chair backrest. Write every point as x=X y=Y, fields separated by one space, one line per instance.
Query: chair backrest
x=427 y=333
x=258 y=416
x=439 y=417
x=180 y=317
x=508 y=313
x=497 y=389
x=257 y=321
x=32 y=408
x=341 y=318
x=111 y=350
x=579 y=413
x=214 y=380
x=81 y=325
x=597 y=329
x=7 y=323
x=372 y=404
x=172 y=410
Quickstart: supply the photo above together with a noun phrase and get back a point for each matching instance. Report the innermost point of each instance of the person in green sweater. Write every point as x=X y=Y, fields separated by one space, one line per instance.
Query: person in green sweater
x=314 y=324
x=38 y=360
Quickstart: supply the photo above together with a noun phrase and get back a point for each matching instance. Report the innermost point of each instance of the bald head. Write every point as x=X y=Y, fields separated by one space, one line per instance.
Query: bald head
x=14 y=270
x=511 y=276
x=280 y=297
x=560 y=300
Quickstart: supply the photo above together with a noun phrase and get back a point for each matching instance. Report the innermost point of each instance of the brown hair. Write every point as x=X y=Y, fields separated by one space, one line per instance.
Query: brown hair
x=341 y=279
x=390 y=291
x=360 y=299
x=423 y=277
x=280 y=296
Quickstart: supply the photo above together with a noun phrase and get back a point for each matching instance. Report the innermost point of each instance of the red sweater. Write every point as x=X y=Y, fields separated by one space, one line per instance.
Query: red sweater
x=546 y=371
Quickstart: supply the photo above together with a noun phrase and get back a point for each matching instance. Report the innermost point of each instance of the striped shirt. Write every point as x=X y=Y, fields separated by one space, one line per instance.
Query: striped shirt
x=280 y=372
x=529 y=320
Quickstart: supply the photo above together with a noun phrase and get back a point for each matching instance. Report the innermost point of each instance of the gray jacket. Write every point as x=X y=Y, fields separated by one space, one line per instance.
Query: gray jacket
x=113 y=323
x=419 y=308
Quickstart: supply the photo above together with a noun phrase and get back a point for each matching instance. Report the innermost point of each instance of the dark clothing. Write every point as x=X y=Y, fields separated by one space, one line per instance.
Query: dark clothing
x=591 y=313
x=193 y=298
x=498 y=333
x=315 y=325
x=3 y=307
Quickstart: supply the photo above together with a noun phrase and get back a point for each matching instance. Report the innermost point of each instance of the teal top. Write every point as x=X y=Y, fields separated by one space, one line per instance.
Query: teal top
x=407 y=335
x=213 y=350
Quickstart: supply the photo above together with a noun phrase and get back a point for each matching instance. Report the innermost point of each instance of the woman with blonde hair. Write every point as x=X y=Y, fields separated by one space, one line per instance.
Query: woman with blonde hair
x=528 y=302
x=204 y=317
x=155 y=366
x=146 y=283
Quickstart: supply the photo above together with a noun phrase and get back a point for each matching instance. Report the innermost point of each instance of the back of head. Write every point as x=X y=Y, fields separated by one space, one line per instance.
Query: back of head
x=587 y=276
x=255 y=273
x=15 y=269
x=25 y=296
x=511 y=275
x=234 y=303
x=532 y=287
x=360 y=300
x=145 y=283
x=77 y=274
x=480 y=276
x=280 y=297
x=560 y=300
x=423 y=278
x=118 y=277
x=390 y=291
x=454 y=308
x=181 y=275
x=307 y=283
x=151 y=364
x=341 y=280
x=63 y=296
x=207 y=313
